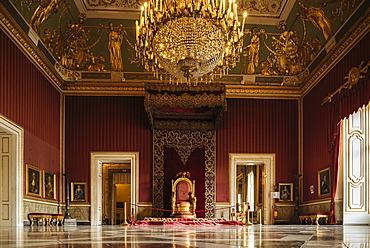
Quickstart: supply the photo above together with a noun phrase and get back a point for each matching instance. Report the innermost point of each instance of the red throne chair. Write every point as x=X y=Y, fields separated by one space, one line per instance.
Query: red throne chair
x=183 y=200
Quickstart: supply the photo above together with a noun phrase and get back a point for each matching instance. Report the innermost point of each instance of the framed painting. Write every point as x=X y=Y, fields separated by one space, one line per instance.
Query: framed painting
x=323 y=179
x=49 y=180
x=78 y=192
x=286 y=191
x=33 y=181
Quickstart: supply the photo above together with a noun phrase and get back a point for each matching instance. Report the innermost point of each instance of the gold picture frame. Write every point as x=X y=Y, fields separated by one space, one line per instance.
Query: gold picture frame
x=78 y=192
x=33 y=181
x=49 y=184
x=286 y=191
x=324 y=183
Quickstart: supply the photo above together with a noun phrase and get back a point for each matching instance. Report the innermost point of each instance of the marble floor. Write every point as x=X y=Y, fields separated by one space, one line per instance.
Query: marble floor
x=187 y=236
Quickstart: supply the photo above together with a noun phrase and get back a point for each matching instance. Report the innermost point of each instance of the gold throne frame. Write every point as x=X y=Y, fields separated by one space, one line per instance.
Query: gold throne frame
x=178 y=209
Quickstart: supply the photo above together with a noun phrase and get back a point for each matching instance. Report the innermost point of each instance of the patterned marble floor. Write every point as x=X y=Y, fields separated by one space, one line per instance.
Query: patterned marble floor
x=187 y=236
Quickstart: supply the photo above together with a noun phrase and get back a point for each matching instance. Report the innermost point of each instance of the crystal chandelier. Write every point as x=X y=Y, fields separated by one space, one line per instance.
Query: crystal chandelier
x=189 y=39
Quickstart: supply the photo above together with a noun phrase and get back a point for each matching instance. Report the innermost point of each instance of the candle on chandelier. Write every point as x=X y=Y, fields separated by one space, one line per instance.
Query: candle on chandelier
x=145 y=8
x=137 y=31
x=244 y=16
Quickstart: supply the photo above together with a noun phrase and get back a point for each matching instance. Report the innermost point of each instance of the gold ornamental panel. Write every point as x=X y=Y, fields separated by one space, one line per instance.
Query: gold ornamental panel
x=184 y=142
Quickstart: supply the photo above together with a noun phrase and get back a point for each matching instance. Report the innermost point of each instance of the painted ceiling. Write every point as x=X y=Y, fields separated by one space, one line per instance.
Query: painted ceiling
x=297 y=41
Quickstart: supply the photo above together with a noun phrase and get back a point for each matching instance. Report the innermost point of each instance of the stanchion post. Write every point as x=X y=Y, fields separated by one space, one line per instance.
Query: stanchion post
x=125 y=223
x=260 y=216
x=232 y=213
x=248 y=213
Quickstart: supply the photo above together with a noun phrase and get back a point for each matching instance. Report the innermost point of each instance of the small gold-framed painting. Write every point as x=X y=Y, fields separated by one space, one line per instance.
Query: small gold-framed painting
x=49 y=185
x=323 y=179
x=286 y=191
x=33 y=181
x=78 y=191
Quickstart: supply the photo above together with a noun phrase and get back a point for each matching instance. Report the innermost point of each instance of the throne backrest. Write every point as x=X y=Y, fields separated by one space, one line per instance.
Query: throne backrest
x=183 y=191
x=183 y=187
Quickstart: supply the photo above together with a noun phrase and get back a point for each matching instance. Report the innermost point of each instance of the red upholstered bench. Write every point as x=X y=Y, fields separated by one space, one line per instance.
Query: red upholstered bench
x=45 y=219
x=318 y=218
x=36 y=218
x=305 y=219
x=57 y=218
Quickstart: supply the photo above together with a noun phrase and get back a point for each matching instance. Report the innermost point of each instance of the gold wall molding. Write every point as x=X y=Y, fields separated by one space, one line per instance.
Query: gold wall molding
x=241 y=91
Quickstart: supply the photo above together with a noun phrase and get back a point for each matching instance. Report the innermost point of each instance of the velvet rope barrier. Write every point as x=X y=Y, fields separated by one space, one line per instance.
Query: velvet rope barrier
x=197 y=211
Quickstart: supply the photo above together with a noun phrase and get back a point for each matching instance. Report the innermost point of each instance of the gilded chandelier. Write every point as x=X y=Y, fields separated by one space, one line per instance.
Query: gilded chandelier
x=189 y=39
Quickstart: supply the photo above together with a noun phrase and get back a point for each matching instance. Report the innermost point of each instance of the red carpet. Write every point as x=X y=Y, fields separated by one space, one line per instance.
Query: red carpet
x=183 y=222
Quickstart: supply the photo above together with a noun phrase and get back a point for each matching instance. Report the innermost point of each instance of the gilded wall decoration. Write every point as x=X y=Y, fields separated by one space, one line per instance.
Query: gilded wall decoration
x=184 y=142
x=44 y=11
x=252 y=51
x=318 y=18
x=115 y=38
x=125 y=4
x=263 y=7
x=71 y=43
x=354 y=75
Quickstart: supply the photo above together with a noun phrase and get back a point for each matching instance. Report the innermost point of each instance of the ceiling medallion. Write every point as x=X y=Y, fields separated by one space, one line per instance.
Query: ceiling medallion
x=189 y=39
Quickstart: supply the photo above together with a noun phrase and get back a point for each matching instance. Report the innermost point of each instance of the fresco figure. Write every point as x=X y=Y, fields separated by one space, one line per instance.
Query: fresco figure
x=318 y=18
x=115 y=39
x=43 y=12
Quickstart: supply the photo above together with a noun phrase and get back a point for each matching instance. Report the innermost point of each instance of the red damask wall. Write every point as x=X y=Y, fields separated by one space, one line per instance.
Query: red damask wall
x=319 y=121
x=30 y=101
x=257 y=126
x=107 y=123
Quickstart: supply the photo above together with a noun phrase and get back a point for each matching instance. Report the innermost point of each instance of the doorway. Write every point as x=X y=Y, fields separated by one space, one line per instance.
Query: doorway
x=11 y=179
x=249 y=182
x=97 y=160
x=116 y=191
x=262 y=167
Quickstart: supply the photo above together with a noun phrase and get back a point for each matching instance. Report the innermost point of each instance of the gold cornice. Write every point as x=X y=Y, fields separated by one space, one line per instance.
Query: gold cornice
x=241 y=91
x=25 y=44
x=336 y=54
x=211 y=87
x=105 y=90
